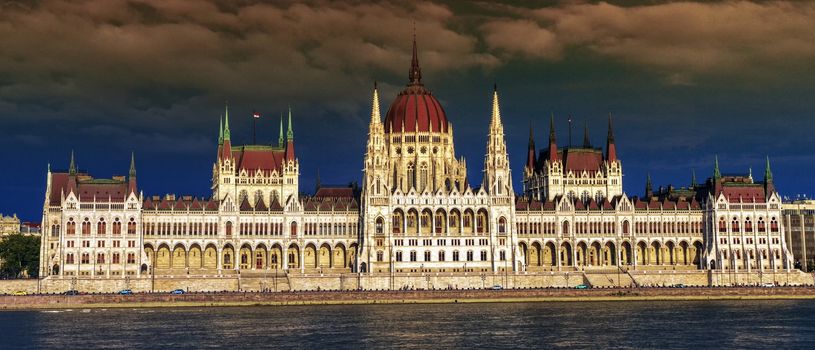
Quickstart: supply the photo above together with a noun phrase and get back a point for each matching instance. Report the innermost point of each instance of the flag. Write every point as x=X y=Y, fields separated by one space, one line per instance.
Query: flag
x=256 y=115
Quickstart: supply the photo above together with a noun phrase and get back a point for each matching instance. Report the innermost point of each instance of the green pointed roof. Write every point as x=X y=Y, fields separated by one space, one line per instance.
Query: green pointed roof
x=716 y=173
x=768 y=174
x=132 y=164
x=290 y=133
x=226 y=123
x=280 y=139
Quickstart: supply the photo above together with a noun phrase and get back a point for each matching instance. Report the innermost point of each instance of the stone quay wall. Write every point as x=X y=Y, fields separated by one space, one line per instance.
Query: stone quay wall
x=415 y=281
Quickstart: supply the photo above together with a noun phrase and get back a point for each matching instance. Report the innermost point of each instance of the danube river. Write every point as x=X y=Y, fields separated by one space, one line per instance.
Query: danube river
x=651 y=325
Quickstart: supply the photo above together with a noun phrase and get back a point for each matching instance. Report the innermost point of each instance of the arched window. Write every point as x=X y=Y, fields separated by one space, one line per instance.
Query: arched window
x=86 y=227
x=734 y=225
x=441 y=255
x=101 y=227
x=380 y=229
x=584 y=197
x=117 y=226
x=229 y=228
x=502 y=225
x=722 y=225
x=71 y=226
x=625 y=227
x=423 y=177
x=411 y=178
x=131 y=226
x=293 y=228
x=748 y=225
x=773 y=225
x=565 y=228
x=761 y=225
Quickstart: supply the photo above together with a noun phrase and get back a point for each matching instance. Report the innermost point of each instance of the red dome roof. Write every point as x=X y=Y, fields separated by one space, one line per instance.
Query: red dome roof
x=415 y=107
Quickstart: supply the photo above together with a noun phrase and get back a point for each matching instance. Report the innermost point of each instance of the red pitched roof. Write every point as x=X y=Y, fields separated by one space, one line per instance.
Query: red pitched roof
x=252 y=158
x=748 y=194
x=580 y=159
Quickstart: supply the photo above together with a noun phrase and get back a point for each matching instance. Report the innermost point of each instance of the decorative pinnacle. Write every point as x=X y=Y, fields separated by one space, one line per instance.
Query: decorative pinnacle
x=552 y=139
x=768 y=174
x=132 y=164
x=716 y=173
x=586 y=142
x=226 y=122
x=290 y=133
x=72 y=167
x=496 y=110
x=610 y=130
x=375 y=116
x=415 y=74
x=280 y=139
x=221 y=130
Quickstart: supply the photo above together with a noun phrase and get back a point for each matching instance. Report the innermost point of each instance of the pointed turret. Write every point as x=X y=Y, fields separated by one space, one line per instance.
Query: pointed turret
x=376 y=118
x=496 y=110
x=693 y=178
x=280 y=139
x=769 y=187
x=290 y=140
x=226 y=150
x=131 y=180
x=648 y=187
x=552 y=140
x=716 y=173
x=317 y=182
x=530 y=154
x=611 y=148
x=221 y=131
x=586 y=141
x=415 y=74
x=72 y=167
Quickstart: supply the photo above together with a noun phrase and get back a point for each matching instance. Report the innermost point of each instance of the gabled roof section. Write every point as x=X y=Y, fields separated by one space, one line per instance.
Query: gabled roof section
x=258 y=157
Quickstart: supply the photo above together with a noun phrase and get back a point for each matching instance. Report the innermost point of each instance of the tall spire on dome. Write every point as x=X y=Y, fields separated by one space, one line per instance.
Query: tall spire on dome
x=693 y=178
x=415 y=74
x=648 y=187
x=375 y=116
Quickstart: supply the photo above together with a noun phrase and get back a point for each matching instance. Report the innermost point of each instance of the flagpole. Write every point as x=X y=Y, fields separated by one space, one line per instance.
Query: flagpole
x=570 y=130
x=254 y=127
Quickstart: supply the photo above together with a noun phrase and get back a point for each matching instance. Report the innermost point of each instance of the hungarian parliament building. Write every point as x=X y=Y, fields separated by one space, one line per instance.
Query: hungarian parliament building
x=416 y=211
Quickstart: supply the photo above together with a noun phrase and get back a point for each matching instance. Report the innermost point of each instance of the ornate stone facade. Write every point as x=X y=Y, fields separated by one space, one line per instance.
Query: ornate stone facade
x=416 y=212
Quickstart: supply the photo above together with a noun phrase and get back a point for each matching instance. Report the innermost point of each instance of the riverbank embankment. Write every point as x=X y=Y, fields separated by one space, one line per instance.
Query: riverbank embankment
x=141 y=300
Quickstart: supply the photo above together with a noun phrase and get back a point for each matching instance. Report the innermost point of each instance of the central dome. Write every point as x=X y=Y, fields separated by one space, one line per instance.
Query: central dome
x=415 y=109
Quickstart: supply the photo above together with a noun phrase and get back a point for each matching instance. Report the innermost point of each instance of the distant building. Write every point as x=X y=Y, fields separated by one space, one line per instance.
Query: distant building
x=799 y=221
x=9 y=225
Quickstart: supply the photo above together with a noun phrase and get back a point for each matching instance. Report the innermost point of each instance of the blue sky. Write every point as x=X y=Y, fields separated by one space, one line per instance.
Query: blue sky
x=685 y=81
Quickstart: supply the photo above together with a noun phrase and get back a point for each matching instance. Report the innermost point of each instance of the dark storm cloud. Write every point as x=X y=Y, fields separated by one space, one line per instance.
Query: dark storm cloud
x=142 y=56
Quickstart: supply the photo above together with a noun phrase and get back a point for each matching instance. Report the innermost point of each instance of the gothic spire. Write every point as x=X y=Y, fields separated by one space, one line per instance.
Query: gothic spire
x=552 y=139
x=768 y=174
x=611 y=148
x=648 y=186
x=226 y=122
x=72 y=167
x=586 y=142
x=132 y=164
x=221 y=131
x=375 y=116
x=530 y=155
x=280 y=139
x=290 y=133
x=716 y=173
x=415 y=74
x=496 y=111
x=693 y=178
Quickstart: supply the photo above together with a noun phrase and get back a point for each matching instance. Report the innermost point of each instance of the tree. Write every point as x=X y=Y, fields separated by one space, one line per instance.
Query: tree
x=19 y=253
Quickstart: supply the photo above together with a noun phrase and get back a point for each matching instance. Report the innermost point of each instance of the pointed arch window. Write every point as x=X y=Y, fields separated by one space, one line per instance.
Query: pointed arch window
x=411 y=176
x=423 y=177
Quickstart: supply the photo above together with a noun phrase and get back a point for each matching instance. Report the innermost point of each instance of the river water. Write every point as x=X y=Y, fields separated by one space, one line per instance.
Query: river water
x=645 y=325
